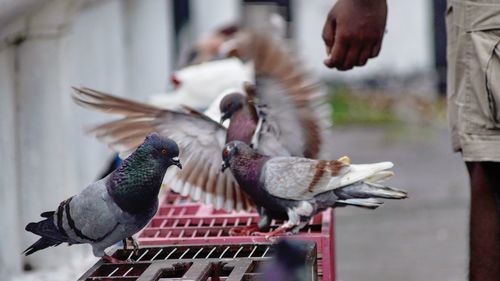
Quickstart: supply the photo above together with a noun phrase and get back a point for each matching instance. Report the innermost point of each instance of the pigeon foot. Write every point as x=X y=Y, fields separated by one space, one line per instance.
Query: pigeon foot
x=282 y=230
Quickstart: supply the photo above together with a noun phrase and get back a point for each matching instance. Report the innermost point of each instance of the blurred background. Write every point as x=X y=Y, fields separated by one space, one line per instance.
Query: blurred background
x=391 y=109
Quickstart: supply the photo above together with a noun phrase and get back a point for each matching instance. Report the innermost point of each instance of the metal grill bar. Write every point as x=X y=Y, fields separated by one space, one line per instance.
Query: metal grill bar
x=113 y=272
x=157 y=254
x=195 y=255
x=253 y=251
x=265 y=252
x=145 y=252
x=225 y=250
x=237 y=252
x=185 y=252
x=130 y=256
x=128 y=271
x=175 y=249
x=213 y=249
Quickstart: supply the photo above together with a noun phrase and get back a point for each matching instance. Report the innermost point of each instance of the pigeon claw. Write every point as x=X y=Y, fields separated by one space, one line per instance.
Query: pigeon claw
x=272 y=235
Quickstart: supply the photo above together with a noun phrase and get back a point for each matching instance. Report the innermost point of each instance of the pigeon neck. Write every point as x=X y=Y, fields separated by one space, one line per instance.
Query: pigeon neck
x=134 y=186
x=247 y=171
x=242 y=126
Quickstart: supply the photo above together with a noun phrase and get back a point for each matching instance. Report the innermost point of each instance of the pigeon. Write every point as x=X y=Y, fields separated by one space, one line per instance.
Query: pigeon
x=297 y=188
x=114 y=208
x=292 y=120
x=288 y=263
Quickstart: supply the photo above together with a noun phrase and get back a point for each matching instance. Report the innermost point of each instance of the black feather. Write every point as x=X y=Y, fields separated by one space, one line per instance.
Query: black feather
x=47 y=214
x=42 y=243
x=47 y=229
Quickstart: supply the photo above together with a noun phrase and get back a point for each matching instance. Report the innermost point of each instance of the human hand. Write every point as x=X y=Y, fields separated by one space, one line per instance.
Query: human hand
x=353 y=32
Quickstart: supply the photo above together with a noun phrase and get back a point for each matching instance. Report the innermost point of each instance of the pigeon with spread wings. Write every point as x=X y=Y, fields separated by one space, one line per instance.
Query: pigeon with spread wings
x=292 y=104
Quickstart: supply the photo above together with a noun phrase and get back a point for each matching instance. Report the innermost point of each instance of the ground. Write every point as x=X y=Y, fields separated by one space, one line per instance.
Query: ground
x=421 y=238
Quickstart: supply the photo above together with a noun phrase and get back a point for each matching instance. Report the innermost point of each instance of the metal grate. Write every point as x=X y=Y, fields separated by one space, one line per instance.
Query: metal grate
x=229 y=262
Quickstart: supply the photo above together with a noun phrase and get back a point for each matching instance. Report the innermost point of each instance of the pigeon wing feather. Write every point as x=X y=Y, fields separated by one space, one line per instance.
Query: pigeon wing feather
x=200 y=140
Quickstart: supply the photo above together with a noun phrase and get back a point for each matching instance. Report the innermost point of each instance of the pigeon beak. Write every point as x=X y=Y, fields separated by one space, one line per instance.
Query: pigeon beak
x=224 y=117
x=223 y=166
x=176 y=162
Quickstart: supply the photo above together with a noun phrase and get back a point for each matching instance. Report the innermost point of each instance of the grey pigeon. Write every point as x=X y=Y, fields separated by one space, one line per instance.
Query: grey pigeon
x=293 y=120
x=295 y=188
x=113 y=208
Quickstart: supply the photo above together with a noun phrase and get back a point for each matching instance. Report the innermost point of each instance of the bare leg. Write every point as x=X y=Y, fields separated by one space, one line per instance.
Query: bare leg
x=484 y=263
x=263 y=225
x=280 y=230
x=301 y=225
x=293 y=221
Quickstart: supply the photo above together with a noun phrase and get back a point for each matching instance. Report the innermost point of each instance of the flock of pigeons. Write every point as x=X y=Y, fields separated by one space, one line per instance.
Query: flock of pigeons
x=278 y=130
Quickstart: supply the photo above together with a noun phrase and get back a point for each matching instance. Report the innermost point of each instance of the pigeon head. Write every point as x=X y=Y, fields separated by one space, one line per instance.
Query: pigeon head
x=230 y=104
x=234 y=149
x=162 y=149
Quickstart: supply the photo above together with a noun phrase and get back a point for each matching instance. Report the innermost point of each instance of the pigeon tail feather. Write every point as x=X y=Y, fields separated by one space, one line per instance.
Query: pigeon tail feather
x=364 y=172
x=40 y=244
x=47 y=229
x=369 y=203
x=364 y=190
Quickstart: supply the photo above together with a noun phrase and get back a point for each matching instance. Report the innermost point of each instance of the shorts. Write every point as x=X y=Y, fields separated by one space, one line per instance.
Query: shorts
x=473 y=54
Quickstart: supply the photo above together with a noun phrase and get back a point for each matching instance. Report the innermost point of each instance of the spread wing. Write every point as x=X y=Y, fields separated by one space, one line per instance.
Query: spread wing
x=301 y=179
x=291 y=101
x=200 y=140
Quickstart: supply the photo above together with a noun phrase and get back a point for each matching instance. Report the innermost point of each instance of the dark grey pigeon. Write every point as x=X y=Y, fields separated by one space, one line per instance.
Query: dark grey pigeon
x=113 y=208
x=295 y=188
x=289 y=262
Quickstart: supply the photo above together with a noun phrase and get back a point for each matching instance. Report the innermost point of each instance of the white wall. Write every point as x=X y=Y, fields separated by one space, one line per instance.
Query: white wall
x=208 y=15
x=149 y=33
x=9 y=222
x=407 y=46
x=122 y=47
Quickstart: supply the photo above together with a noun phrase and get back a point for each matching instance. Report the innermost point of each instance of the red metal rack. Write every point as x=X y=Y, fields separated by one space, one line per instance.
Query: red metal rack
x=181 y=222
x=230 y=262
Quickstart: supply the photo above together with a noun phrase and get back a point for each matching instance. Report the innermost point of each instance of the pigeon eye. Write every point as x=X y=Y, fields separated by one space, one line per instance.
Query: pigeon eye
x=164 y=151
x=225 y=153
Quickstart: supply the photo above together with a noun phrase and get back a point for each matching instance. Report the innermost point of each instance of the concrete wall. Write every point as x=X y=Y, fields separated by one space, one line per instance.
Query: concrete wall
x=122 y=47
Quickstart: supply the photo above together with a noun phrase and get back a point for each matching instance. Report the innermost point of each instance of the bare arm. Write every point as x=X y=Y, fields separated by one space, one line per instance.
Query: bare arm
x=353 y=32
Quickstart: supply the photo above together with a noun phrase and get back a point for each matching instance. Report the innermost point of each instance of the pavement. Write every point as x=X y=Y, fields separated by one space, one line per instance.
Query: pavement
x=423 y=237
